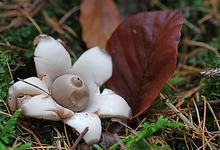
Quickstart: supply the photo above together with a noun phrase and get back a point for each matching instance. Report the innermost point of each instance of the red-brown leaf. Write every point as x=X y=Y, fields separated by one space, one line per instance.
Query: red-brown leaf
x=144 y=54
x=98 y=18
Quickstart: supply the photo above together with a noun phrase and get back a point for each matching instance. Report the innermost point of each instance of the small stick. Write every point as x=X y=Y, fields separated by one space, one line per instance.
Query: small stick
x=209 y=141
x=1 y=112
x=66 y=135
x=171 y=106
x=119 y=142
x=204 y=139
x=125 y=125
x=34 y=86
x=9 y=69
x=197 y=113
x=216 y=120
x=203 y=126
x=12 y=47
x=80 y=138
x=34 y=135
x=32 y=21
x=211 y=102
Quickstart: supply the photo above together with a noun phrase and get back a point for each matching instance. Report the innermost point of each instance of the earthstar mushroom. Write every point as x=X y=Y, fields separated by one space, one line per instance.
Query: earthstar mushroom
x=69 y=93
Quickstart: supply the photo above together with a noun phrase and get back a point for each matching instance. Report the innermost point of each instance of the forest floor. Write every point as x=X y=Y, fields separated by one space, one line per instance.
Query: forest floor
x=186 y=114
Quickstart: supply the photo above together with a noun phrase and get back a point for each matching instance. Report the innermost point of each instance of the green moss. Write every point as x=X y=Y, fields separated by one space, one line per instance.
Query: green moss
x=4 y=77
x=211 y=85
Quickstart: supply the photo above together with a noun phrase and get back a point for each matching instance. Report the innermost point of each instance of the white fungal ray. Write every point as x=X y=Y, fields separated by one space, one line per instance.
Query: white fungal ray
x=51 y=59
x=80 y=121
x=109 y=105
x=94 y=66
x=21 y=88
x=44 y=107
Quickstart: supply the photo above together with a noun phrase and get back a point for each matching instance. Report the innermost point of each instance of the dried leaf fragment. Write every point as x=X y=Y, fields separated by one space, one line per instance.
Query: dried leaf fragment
x=98 y=18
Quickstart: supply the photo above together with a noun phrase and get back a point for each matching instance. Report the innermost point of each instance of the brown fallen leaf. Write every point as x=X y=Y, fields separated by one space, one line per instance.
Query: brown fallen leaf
x=98 y=18
x=144 y=54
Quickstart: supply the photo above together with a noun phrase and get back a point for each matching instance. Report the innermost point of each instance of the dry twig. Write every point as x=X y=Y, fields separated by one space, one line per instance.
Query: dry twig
x=169 y=104
x=79 y=138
